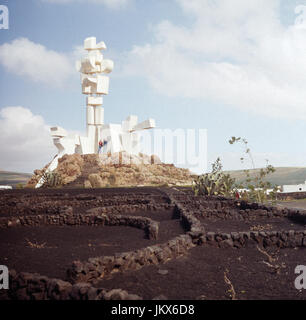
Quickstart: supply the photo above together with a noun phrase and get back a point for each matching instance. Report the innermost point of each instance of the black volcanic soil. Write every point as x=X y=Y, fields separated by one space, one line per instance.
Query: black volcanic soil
x=49 y=250
x=279 y=224
x=200 y=275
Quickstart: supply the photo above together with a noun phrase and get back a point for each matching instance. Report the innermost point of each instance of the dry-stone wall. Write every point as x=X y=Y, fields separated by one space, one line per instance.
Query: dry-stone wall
x=82 y=275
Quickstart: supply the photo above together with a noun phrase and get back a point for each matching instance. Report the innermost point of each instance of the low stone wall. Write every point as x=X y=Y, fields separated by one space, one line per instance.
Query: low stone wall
x=243 y=211
x=246 y=214
x=127 y=208
x=222 y=208
x=33 y=286
x=27 y=286
x=150 y=226
x=96 y=268
x=250 y=212
x=54 y=203
x=83 y=274
x=205 y=202
x=280 y=239
x=191 y=223
x=195 y=229
x=99 y=267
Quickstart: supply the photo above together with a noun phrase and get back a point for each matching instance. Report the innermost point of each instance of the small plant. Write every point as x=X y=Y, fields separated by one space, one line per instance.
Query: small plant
x=19 y=186
x=214 y=183
x=272 y=261
x=256 y=187
x=35 y=244
x=231 y=290
x=52 y=179
x=228 y=188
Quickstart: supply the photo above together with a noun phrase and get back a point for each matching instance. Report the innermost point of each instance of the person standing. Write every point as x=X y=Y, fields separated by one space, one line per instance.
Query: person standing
x=100 y=146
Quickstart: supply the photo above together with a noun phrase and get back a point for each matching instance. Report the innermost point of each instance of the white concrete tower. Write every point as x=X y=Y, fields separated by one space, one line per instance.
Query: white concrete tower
x=94 y=84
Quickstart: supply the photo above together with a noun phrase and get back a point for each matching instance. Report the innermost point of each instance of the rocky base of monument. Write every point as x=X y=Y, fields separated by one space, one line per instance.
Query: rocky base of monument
x=115 y=170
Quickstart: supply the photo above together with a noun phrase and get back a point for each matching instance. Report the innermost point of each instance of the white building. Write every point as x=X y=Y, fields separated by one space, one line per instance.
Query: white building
x=294 y=188
x=5 y=188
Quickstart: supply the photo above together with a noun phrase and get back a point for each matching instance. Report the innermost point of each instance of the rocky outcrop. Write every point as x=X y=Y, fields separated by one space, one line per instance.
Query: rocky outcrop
x=112 y=170
x=36 y=176
x=70 y=167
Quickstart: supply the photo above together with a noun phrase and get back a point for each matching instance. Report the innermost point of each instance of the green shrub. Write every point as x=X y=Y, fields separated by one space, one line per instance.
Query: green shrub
x=214 y=183
x=52 y=179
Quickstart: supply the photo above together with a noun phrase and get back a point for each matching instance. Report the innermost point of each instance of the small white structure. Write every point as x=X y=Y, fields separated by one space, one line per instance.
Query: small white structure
x=6 y=187
x=294 y=188
x=95 y=84
x=268 y=191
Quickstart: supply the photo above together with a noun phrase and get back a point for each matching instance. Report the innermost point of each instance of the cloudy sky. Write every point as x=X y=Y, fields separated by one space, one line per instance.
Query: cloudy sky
x=233 y=67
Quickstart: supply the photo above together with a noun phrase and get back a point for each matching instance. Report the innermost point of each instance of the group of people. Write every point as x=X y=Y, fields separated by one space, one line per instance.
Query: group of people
x=101 y=145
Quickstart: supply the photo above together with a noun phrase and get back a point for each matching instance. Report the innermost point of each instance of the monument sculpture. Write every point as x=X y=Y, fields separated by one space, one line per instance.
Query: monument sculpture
x=115 y=137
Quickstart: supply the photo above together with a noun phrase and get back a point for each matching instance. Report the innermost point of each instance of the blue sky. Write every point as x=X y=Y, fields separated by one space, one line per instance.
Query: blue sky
x=235 y=70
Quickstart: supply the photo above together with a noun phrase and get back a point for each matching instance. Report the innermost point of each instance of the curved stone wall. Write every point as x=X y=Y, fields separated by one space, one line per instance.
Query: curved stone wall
x=82 y=275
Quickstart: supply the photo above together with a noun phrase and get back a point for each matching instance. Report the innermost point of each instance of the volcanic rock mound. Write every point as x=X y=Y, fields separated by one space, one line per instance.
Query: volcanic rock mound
x=118 y=169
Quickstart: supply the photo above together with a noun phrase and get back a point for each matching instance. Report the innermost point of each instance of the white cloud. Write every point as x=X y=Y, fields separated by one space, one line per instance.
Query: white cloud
x=25 y=140
x=33 y=61
x=113 y=4
x=236 y=53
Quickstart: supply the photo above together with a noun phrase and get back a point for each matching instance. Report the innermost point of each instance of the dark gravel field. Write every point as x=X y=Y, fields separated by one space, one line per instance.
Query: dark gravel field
x=207 y=269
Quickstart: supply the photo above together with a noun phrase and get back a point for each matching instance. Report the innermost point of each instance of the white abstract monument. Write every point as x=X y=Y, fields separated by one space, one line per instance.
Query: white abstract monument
x=95 y=84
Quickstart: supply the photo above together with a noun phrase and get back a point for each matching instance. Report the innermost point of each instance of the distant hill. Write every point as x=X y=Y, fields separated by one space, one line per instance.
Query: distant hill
x=13 y=178
x=282 y=175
